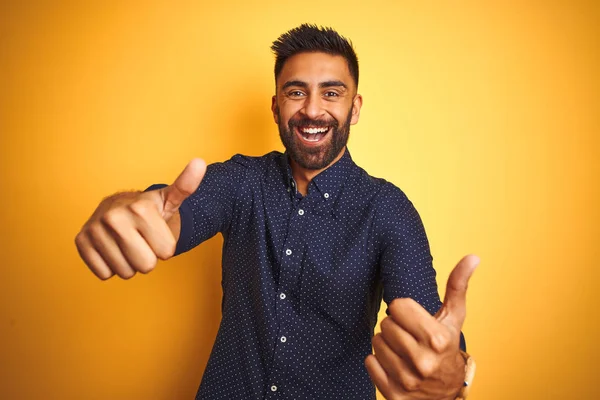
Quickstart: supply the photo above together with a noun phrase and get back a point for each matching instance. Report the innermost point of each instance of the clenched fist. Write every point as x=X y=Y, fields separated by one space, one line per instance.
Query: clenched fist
x=417 y=355
x=130 y=231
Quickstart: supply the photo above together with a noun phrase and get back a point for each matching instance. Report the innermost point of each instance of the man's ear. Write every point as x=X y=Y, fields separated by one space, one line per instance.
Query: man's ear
x=356 y=105
x=274 y=109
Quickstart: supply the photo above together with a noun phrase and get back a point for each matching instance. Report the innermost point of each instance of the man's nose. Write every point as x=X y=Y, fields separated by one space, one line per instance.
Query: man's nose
x=313 y=107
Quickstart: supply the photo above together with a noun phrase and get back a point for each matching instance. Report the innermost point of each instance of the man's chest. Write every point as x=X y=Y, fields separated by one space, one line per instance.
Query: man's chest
x=316 y=246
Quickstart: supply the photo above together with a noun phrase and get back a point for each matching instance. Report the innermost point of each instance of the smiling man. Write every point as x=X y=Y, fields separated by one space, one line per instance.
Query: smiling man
x=312 y=244
x=315 y=104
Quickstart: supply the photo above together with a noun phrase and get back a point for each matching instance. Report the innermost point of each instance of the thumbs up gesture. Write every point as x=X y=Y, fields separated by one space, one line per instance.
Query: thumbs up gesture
x=417 y=355
x=130 y=231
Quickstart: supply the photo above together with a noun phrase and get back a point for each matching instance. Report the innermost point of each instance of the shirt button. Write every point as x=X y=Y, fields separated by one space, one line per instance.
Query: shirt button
x=282 y=296
x=273 y=388
x=301 y=212
x=283 y=339
x=288 y=252
x=326 y=195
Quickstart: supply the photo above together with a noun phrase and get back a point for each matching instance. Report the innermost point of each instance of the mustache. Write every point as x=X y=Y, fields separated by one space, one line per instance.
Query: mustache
x=317 y=123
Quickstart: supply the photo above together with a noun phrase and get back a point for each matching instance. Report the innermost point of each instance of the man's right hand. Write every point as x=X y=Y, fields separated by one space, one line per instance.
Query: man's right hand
x=130 y=231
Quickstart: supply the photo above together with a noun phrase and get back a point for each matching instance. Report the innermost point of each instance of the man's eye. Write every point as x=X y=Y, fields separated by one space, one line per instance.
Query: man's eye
x=295 y=93
x=331 y=94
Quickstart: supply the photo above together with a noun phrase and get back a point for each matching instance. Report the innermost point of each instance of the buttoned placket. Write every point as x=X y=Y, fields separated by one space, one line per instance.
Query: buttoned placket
x=290 y=269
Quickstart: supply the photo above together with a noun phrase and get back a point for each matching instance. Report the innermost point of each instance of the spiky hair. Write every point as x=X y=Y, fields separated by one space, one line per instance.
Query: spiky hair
x=310 y=38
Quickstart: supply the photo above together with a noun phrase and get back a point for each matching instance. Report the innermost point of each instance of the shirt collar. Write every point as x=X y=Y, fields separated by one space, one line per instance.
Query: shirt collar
x=329 y=182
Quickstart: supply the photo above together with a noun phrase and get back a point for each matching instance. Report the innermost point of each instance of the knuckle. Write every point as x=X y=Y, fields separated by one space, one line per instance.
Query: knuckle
x=147 y=264
x=440 y=341
x=141 y=207
x=427 y=365
x=384 y=325
x=410 y=384
x=172 y=246
x=167 y=250
x=401 y=304
x=397 y=375
x=95 y=231
x=79 y=241
x=398 y=302
x=377 y=338
x=377 y=341
x=113 y=217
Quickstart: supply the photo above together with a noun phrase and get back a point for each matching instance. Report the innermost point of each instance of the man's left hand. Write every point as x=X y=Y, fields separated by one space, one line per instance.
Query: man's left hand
x=417 y=355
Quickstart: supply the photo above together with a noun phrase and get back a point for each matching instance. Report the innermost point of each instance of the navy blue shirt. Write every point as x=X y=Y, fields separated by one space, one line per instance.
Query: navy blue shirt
x=303 y=276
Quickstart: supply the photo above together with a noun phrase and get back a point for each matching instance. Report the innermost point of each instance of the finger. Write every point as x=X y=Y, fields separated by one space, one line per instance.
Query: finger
x=414 y=319
x=398 y=370
x=153 y=228
x=108 y=248
x=378 y=375
x=421 y=359
x=455 y=299
x=91 y=258
x=137 y=251
x=401 y=342
x=185 y=184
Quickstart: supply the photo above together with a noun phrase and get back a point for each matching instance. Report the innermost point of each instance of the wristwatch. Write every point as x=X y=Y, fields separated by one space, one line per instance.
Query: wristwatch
x=469 y=374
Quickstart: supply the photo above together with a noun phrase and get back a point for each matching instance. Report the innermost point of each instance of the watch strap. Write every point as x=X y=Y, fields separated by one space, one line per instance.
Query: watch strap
x=469 y=375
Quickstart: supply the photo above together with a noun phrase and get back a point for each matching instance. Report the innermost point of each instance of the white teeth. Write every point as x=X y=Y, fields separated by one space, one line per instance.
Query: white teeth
x=314 y=130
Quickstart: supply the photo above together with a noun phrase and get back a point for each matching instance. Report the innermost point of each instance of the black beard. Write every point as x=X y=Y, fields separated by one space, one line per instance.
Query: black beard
x=314 y=158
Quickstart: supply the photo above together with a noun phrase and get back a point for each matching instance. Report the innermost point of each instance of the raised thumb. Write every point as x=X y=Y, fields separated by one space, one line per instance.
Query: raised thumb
x=455 y=300
x=186 y=183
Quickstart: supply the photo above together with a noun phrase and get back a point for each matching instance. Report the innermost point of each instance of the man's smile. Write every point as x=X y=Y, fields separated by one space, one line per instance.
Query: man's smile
x=312 y=134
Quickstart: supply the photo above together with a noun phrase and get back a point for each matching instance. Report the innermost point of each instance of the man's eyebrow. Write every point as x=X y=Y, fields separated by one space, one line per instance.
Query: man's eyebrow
x=322 y=85
x=332 y=84
x=294 y=83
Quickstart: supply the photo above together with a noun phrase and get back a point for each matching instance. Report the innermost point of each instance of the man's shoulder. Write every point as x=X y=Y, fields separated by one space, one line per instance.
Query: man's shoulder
x=244 y=164
x=384 y=189
x=394 y=211
x=255 y=162
x=241 y=168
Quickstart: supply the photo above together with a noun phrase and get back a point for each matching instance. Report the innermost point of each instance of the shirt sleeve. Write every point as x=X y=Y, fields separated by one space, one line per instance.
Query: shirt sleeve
x=209 y=210
x=406 y=263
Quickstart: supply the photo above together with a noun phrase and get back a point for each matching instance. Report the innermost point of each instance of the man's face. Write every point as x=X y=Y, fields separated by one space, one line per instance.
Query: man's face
x=315 y=104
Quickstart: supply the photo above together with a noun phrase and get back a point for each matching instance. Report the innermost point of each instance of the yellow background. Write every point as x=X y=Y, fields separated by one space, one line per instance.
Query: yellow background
x=485 y=113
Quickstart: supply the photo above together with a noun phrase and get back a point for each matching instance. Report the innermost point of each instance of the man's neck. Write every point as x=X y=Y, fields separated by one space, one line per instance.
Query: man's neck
x=303 y=176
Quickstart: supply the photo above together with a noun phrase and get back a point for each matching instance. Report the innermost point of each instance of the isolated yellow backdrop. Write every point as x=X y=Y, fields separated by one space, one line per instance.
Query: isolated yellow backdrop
x=485 y=114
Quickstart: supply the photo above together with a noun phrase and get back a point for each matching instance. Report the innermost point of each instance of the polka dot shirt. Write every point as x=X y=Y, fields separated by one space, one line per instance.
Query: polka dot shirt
x=303 y=276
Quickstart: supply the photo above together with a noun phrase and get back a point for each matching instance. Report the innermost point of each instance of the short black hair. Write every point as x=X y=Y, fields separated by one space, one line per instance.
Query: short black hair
x=310 y=38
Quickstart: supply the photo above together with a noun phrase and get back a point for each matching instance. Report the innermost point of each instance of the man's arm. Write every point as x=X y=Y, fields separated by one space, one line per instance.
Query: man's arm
x=417 y=353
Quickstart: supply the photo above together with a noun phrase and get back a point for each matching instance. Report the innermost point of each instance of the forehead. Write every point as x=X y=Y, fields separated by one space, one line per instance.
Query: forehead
x=313 y=68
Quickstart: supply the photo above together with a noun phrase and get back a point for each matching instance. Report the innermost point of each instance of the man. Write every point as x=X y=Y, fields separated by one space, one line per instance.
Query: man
x=312 y=244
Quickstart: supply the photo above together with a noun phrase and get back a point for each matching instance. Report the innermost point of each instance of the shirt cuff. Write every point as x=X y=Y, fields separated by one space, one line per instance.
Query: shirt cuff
x=463 y=342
